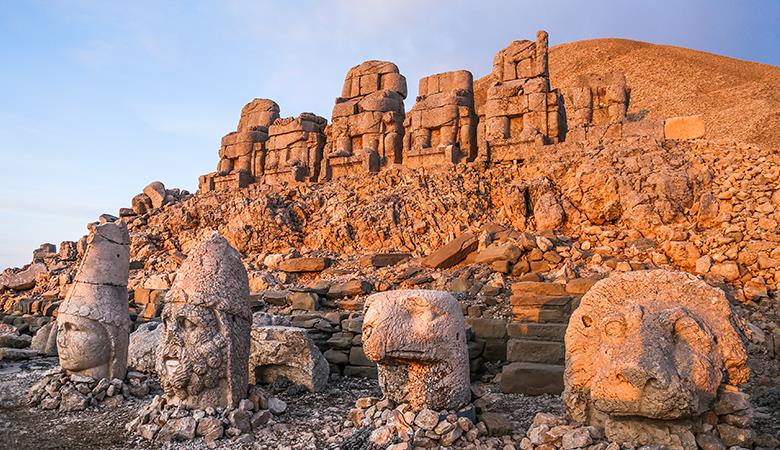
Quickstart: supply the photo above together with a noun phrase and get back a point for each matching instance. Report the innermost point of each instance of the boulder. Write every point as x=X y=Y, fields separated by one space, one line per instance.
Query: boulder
x=23 y=279
x=142 y=351
x=156 y=193
x=685 y=127
x=286 y=352
x=453 y=252
x=297 y=265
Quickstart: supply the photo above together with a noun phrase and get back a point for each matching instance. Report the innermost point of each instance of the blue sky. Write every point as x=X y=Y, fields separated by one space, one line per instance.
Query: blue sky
x=98 y=98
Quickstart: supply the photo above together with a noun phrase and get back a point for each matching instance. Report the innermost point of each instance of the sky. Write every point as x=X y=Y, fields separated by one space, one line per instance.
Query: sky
x=99 y=98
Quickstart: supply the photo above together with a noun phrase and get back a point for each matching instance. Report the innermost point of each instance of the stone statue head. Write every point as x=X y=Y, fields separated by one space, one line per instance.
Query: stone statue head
x=204 y=345
x=653 y=344
x=418 y=340
x=93 y=322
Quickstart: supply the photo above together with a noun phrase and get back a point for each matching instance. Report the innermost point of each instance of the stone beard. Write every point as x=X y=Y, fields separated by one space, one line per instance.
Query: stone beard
x=90 y=348
x=199 y=347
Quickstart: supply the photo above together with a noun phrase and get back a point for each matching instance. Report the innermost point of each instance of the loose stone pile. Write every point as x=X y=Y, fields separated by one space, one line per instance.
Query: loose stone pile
x=162 y=421
x=402 y=426
x=58 y=390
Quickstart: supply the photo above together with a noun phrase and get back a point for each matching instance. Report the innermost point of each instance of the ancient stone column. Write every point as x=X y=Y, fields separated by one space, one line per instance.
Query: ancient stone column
x=418 y=340
x=651 y=350
x=204 y=345
x=93 y=321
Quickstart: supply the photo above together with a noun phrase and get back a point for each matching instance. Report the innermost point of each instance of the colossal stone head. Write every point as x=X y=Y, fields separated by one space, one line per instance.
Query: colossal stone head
x=204 y=344
x=93 y=322
x=653 y=344
x=418 y=340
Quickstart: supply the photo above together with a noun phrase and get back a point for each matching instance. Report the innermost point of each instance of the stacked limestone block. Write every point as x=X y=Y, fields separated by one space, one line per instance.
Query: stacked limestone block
x=521 y=112
x=242 y=154
x=367 y=127
x=294 y=149
x=441 y=128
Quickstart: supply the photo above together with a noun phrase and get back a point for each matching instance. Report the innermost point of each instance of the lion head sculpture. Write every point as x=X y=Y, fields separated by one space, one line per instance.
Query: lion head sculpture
x=654 y=344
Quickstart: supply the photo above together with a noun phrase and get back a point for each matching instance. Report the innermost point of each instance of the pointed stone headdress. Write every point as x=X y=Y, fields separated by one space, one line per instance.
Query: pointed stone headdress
x=213 y=277
x=99 y=291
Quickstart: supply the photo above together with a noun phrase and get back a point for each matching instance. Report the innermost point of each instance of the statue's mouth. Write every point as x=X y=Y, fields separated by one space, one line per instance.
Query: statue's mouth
x=171 y=365
x=414 y=355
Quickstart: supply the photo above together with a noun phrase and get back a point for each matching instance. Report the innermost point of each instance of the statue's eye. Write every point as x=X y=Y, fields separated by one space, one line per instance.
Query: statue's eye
x=367 y=330
x=587 y=321
x=615 y=328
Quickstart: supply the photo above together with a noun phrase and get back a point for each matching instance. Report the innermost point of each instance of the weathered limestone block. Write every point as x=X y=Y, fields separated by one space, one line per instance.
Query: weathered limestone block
x=650 y=344
x=204 y=345
x=418 y=340
x=142 y=351
x=45 y=340
x=686 y=127
x=294 y=149
x=441 y=128
x=596 y=107
x=366 y=130
x=93 y=321
x=22 y=280
x=156 y=193
x=521 y=111
x=286 y=352
x=242 y=152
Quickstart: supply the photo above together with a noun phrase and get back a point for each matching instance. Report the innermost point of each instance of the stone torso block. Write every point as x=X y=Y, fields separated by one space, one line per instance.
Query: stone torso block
x=596 y=107
x=441 y=127
x=294 y=149
x=521 y=111
x=418 y=340
x=242 y=152
x=366 y=131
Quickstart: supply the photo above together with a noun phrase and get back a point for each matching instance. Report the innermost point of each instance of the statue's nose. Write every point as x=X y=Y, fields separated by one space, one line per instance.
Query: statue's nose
x=639 y=373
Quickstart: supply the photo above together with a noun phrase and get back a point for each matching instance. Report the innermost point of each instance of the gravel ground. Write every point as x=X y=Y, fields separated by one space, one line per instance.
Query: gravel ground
x=312 y=421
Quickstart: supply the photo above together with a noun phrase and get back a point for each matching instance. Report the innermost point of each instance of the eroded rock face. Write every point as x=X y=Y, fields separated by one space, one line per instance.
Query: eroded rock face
x=93 y=321
x=418 y=340
x=204 y=344
x=286 y=352
x=142 y=351
x=653 y=344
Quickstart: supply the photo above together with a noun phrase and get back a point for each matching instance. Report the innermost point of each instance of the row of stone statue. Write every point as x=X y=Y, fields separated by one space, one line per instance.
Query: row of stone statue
x=649 y=345
x=448 y=124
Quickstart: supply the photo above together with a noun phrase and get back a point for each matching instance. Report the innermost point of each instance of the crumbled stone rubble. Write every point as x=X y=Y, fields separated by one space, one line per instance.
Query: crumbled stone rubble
x=59 y=391
x=162 y=422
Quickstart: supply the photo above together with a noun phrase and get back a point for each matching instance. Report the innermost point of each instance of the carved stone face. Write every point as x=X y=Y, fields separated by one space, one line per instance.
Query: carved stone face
x=660 y=364
x=84 y=346
x=418 y=331
x=418 y=339
x=193 y=352
x=653 y=344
